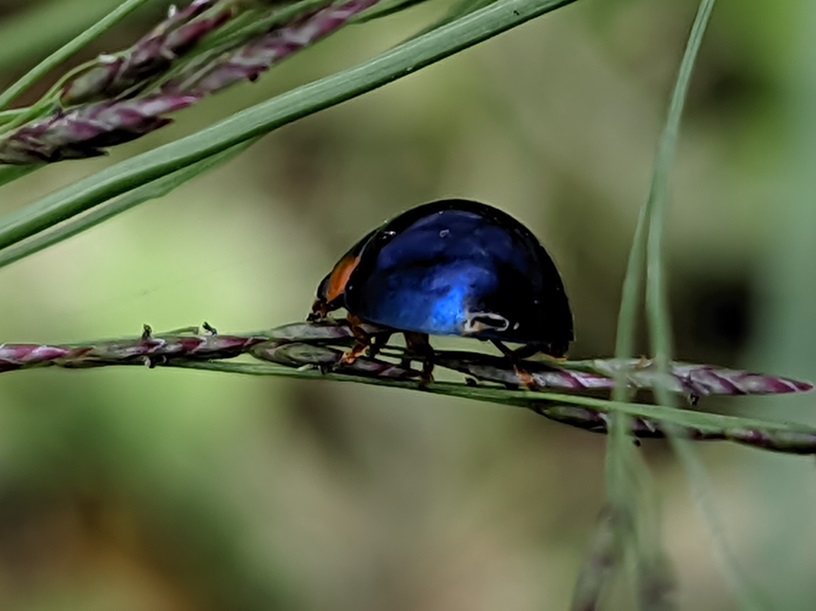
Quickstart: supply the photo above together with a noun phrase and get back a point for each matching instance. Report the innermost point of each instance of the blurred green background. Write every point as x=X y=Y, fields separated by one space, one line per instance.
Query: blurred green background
x=173 y=490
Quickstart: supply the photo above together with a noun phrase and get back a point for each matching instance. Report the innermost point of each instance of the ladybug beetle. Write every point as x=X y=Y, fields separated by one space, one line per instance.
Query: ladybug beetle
x=451 y=267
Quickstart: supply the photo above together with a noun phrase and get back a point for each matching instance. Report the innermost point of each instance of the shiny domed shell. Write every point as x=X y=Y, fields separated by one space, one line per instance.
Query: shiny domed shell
x=454 y=267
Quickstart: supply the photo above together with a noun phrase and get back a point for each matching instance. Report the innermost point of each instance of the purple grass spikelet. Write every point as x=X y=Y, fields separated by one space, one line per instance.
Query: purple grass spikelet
x=600 y=374
x=23 y=356
x=151 y=56
x=87 y=130
x=256 y=57
x=125 y=96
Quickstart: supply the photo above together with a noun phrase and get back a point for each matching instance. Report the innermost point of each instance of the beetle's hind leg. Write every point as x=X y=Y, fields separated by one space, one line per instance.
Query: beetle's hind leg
x=514 y=356
x=418 y=345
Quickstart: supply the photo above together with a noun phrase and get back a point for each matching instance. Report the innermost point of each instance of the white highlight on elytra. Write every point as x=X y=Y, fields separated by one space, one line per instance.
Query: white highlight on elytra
x=476 y=322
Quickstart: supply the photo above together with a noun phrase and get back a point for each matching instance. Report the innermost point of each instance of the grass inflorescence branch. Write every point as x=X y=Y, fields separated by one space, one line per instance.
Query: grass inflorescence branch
x=314 y=350
x=125 y=96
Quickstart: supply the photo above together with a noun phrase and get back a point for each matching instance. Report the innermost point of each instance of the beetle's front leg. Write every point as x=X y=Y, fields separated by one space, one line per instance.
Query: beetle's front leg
x=364 y=341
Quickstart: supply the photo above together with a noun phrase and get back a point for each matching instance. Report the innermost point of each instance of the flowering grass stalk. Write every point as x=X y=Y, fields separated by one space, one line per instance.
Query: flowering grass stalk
x=306 y=349
x=321 y=344
x=112 y=102
x=150 y=57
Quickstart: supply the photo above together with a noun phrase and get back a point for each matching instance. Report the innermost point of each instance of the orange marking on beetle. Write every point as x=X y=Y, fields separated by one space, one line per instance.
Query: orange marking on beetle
x=340 y=277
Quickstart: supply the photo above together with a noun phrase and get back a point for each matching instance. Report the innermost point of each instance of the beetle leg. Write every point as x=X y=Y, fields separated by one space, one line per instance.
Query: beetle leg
x=364 y=341
x=418 y=345
x=525 y=377
x=320 y=310
x=526 y=351
x=378 y=342
x=544 y=350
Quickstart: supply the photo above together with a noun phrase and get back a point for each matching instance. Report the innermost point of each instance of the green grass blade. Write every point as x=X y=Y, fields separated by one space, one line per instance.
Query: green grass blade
x=458 y=10
x=66 y=51
x=630 y=297
x=630 y=488
x=12 y=115
x=647 y=244
x=604 y=557
x=657 y=310
x=387 y=9
x=267 y=116
x=625 y=470
x=10 y=173
x=152 y=190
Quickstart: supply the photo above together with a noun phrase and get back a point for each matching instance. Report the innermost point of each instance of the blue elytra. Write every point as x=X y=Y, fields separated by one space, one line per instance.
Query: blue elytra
x=453 y=267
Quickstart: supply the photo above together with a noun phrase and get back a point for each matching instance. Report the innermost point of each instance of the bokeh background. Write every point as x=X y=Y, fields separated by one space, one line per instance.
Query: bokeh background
x=158 y=490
